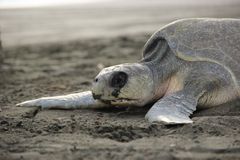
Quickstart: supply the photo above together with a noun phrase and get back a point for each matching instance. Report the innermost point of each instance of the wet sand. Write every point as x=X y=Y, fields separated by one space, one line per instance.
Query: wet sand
x=43 y=65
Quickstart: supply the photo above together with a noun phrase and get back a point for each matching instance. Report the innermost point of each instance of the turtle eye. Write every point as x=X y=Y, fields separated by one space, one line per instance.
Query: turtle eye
x=119 y=79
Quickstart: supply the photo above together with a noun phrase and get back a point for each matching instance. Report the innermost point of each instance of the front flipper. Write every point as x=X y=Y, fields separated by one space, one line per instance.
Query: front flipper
x=173 y=109
x=71 y=101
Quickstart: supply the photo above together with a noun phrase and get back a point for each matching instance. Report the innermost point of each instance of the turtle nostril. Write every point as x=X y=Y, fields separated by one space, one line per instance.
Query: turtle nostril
x=96 y=79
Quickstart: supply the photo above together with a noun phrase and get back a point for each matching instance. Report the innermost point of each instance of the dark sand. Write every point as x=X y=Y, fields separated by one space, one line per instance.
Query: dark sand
x=65 y=66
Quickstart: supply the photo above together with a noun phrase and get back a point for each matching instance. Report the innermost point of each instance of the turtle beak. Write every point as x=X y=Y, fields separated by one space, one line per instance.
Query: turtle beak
x=95 y=96
x=97 y=88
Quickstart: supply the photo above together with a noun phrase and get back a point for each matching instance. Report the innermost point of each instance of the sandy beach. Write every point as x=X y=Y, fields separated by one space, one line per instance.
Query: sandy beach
x=51 y=51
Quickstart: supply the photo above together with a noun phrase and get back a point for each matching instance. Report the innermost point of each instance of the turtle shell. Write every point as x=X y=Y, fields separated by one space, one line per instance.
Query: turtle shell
x=212 y=40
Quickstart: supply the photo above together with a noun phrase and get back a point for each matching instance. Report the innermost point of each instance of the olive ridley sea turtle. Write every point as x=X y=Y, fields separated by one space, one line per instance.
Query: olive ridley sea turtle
x=187 y=63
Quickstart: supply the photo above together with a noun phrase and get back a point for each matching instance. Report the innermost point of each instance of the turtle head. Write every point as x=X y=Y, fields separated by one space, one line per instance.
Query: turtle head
x=125 y=84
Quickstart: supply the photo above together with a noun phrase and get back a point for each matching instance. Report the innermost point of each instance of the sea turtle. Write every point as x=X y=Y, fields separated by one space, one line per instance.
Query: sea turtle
x=187 y=63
